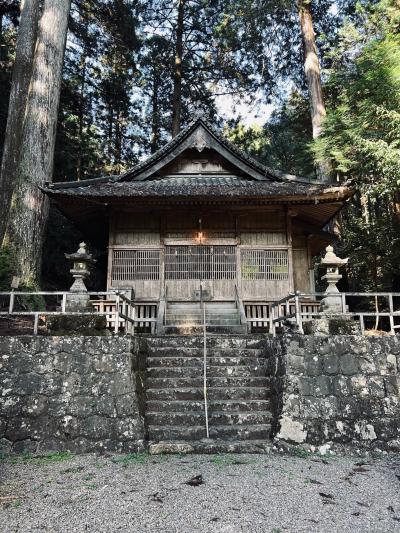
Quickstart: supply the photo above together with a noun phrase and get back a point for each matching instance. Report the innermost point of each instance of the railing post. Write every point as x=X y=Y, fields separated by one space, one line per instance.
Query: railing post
x=63 y=302
x=272 y=313
x=343 y=302
x=116 y=316
x=391 y=318
x=36 y=324
x=362 y=325
x=299 y=321
x=11 y=305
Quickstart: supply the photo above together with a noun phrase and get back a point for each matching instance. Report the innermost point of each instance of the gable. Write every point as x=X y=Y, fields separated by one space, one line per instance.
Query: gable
x=207 y=162
x=199 y=147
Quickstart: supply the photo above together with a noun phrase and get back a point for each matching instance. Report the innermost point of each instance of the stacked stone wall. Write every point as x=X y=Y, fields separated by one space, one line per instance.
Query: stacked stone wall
x=69 y=393
x=337 y=389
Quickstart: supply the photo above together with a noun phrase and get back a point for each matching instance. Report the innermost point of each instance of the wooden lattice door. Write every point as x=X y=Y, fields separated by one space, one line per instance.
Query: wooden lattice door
x=215 y=267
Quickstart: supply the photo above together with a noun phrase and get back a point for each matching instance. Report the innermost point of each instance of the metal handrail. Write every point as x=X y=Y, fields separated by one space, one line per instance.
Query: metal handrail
x=298 y=314
x=127 y=313
x=203 y=309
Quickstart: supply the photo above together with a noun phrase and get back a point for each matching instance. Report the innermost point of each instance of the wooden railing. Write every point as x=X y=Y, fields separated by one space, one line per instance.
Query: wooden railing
x=121 y=312
x=293 y=307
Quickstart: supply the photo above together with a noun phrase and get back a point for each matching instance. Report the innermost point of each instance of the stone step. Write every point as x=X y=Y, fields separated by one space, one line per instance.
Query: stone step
x=182 y=406
x=197 y=361
x=209 y=305
x=212 y=351
x=223 y=381
x=210 y=446
x=210 y=321
x=215 y=418
x=215 y=393
x=242 y=432
x=212 y=371
x=196 y=341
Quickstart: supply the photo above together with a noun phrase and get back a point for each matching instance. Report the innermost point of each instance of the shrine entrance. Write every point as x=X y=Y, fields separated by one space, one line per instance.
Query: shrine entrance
x=212 y=266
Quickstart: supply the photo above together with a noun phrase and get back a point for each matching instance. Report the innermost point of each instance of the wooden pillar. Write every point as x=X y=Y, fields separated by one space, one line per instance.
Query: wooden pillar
x=111 y=242
x=290 y=248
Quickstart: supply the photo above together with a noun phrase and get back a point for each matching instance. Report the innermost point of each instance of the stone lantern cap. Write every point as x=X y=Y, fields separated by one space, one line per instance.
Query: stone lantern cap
x=332 y=259
x=81 y=255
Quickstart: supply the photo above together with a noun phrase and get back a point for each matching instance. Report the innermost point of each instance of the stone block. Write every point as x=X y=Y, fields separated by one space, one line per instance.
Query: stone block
x=76 y=325
x=341 y=386
x=349 y=364
x=376 y=387
x=295 y=364
x=391 y=406
x=392 y=385
x=311 y=407
x=331 y=364
x=314 y=366
x=329 y=407
x=291 y=430
x=322 y=386
x=359 y=386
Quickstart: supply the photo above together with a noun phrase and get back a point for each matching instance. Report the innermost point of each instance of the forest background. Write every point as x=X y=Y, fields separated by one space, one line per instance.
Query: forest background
x=123 y=94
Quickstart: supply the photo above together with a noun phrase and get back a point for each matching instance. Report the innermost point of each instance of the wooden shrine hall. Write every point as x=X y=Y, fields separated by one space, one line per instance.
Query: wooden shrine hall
x=201 y=213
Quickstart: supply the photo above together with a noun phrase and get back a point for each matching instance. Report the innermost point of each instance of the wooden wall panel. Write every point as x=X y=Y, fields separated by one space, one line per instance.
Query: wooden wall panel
x=262 y=238
x=300 y=270
x=134 y=238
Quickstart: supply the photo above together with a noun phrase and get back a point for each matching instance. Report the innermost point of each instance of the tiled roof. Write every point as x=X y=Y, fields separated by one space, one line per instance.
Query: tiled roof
x=173 y=186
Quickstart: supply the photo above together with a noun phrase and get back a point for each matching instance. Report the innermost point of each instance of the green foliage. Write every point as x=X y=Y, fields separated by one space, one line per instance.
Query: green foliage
x=362 y=140
x=6 y=268
x=131 y=458
x=283 y=143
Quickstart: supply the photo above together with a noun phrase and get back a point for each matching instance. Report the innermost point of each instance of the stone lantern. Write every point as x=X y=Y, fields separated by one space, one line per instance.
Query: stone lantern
x=332 y=303
x=81 y=262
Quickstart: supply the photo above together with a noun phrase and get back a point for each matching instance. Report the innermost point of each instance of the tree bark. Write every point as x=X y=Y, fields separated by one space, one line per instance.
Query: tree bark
x=177 y=93
x=311 y=67
x=155 y=122
x=30 y=206
x=21 y=77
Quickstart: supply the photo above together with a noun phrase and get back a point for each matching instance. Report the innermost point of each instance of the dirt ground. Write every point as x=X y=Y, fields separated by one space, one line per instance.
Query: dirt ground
x=224 y=493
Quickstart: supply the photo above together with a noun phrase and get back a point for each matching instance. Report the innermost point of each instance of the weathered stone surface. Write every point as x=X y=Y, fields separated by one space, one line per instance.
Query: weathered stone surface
x=347 y=391
x=93 y=324
x=69 y=393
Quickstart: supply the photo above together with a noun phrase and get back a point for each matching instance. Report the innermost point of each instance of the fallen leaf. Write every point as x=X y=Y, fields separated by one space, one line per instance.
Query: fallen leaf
x=360 y=469
x=195 y=481
x=156 y=497
x=329 y=496
x=364 y=504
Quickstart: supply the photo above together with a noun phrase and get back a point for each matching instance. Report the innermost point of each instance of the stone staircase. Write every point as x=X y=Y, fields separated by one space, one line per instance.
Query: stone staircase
x=238 y=394
x=181 y=317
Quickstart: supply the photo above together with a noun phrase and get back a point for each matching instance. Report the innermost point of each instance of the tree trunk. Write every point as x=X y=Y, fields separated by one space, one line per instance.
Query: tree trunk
x=21 y=77
x=155 y=122
x=177 y=94
x=81 y=119
x=30 y=206
x=311 y=67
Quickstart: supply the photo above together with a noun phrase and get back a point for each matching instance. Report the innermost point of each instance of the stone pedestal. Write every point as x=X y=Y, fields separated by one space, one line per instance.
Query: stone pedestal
x=331 y=324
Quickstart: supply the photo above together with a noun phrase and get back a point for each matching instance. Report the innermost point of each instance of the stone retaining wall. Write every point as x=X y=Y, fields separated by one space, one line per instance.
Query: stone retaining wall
x=69 y=393
x=340 y=389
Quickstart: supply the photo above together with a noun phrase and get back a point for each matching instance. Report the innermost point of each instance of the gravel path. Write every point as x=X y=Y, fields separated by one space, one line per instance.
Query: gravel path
x=251 y=493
